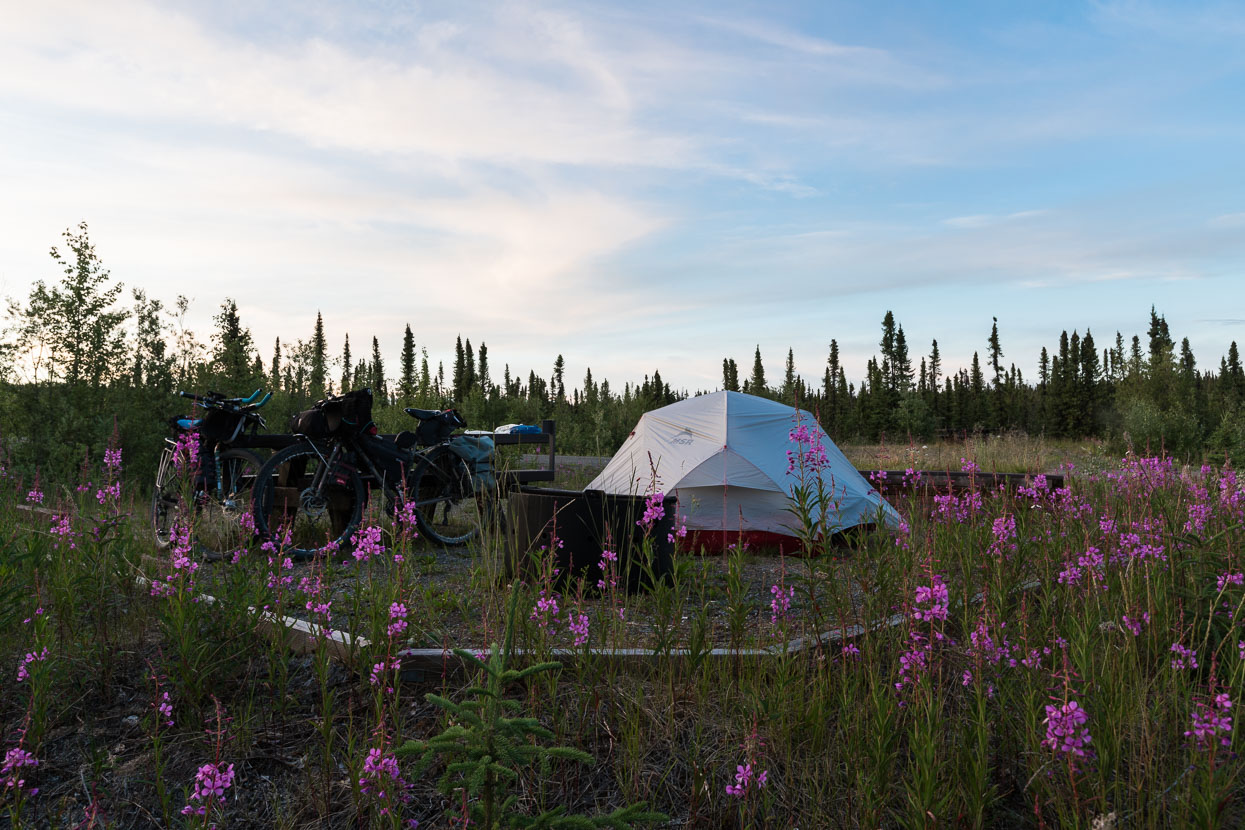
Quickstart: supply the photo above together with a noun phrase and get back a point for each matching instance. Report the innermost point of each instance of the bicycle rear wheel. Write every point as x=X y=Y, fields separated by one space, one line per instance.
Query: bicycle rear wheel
x=304 y=506
x=445 y=502
x=216 y=514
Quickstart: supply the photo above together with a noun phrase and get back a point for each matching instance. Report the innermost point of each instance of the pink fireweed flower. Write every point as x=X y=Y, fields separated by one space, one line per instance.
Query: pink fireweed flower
x=377 y=676
x=851 y=650
x=164 y=709
x=546 y=611
x=1186 y=658
x=936 y=596
x=967 y=466
x=607 y=563
x=109 y=492
x=112 y=459
x=1226 y=579
x=11 y=775
x=1134 y=624
x=985 y=645
x=368 y=543
x=1003 y=535
x=382 y=780
x=397 y=617
x=745 y=780
x=780 y=604
x=1212 y=722
x=654 y=512
x=63 y=533
x=577 y=624
x=35 y=496
x=809 y=456
x=1066 y=731
x=31 y=657
x=186 y=453
x=211 y=781
x=679 y=533
x=950 y=508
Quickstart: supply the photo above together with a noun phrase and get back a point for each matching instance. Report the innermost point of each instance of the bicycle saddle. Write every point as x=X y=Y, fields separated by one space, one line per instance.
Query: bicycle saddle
x=423 y=414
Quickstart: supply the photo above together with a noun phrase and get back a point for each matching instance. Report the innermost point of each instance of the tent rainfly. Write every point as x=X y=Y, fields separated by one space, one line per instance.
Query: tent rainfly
x=725 y=456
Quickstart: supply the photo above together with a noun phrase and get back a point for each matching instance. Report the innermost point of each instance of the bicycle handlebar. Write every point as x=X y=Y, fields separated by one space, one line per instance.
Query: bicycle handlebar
x=216 y=400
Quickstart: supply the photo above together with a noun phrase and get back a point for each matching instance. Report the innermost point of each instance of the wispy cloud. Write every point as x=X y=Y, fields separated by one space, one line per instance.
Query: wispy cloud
x=1228 y=220
x=984 y=220
x=844 y=63
x=146 y=63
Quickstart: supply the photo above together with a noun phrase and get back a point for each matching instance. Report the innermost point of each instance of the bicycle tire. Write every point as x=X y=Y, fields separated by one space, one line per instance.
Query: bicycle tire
x=217 y=516
x=445 y=503
x=283 y=503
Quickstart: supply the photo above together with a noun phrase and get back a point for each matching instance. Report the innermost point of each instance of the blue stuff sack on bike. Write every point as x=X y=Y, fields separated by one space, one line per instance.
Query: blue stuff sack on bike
x=348 y=414
x=477 y=451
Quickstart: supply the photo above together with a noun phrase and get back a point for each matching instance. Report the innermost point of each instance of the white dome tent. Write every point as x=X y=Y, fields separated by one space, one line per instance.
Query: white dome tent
x=724 y=455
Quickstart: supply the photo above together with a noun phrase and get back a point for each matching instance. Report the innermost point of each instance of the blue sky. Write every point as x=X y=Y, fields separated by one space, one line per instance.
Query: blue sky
x=641 y=185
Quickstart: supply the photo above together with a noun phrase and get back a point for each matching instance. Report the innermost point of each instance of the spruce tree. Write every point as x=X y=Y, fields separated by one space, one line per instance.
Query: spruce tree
x=483 y=381
x=559 y=388
x=318 y=374
x=730 y=375
x=756 y=383
x=996 y=355
x=788 y=380
x=376 y=371
x=274 y=372
x=901 y=365
x=460 y=369
x=347 y=367
x=406 y=381
x=887 y=345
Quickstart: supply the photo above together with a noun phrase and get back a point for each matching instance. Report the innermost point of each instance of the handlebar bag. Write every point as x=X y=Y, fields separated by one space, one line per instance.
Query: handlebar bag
x=218 y=425
x=348 y=414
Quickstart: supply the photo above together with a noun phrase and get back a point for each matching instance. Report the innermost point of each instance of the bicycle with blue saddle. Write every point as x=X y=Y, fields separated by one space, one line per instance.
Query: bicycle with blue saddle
x=206 y=475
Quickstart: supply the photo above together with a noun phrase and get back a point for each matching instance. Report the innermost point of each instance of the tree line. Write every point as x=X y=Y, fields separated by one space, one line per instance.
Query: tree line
x=82 y=364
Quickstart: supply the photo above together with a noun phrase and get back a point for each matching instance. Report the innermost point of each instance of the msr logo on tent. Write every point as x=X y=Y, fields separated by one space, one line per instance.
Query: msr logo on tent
x=684 y=437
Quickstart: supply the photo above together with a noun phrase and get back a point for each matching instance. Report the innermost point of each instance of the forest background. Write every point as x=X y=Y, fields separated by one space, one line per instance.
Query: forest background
x=84 y=364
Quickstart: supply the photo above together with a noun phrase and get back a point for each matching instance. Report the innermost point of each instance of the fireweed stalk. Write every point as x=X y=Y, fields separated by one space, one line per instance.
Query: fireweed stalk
x=34 y=672
x=159 y=718
x=15 y=785
x=174 y=588
x=750 y=780
x=815 y=502
x=319 y=607
x=206 y=797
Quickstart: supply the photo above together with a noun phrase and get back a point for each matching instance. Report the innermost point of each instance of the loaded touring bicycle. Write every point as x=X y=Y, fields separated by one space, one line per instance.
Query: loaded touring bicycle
x=312 y=492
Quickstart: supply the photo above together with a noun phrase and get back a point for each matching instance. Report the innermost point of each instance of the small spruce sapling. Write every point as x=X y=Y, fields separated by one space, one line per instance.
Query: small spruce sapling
x=484 y=749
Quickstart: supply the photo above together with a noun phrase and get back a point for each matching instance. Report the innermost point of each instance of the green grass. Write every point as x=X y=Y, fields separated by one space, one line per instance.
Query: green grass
x=937 y=720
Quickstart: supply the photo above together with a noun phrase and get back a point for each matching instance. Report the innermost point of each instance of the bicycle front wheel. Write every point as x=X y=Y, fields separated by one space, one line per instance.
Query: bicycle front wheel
x=445 y=502
x=215 y=512
x=305 y=506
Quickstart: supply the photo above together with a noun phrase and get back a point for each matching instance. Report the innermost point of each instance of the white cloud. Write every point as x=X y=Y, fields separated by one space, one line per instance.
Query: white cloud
x=138 y=61
x=1228 y=220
